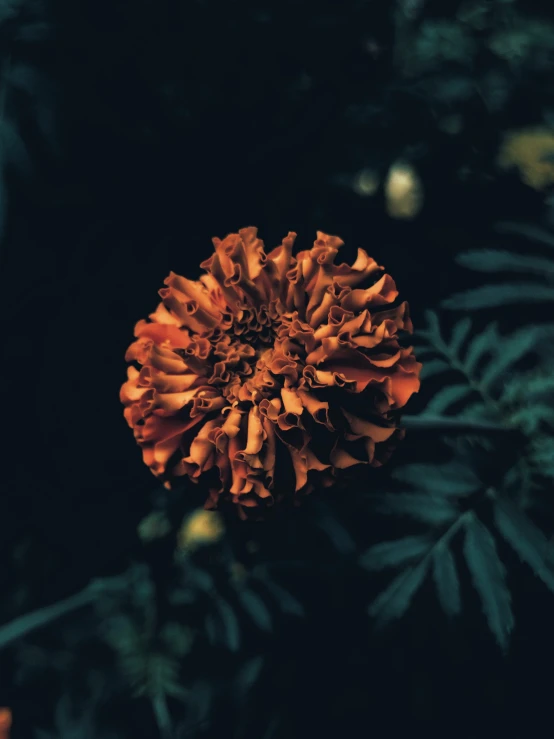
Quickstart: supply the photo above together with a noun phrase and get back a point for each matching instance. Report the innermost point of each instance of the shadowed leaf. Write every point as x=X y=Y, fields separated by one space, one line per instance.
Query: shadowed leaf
x=489 y=578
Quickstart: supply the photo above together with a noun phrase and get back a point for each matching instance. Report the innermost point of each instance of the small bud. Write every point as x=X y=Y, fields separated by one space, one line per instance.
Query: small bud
x=199 y=529
x=403 y=191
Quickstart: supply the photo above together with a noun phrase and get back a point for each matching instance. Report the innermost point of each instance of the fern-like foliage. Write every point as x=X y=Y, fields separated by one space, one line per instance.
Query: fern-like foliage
x=483 y=359
x=535 y=273
x=452 y=500
x=492 y=390
x=249 y=599
x=435 y=500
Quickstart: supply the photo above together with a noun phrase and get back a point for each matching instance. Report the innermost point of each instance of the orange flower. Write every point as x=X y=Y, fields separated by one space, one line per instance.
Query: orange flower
x=5 y=723
x=270 y=371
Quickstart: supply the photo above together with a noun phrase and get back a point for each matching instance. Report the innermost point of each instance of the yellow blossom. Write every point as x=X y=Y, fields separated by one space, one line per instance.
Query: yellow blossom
x=526 y=150
x=200 y=528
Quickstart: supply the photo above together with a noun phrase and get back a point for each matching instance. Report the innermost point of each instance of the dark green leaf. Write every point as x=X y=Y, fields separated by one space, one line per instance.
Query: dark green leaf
x=511 y=349
x=489 y=578
x=247 y=676
x=433 y=324
x=527 y=540
x=422 y=507
x=256 y=609
x=229 y=622
x=446 y=580
x=496 y=260
x=449 y=479
x=339 y=536
x=479 y=346
x=287 y=602
x=395 y=553
x=433 y=367
x=446 y=397
x=459 y=335
x=530 y=232
x=393 y=602
x=493 y=296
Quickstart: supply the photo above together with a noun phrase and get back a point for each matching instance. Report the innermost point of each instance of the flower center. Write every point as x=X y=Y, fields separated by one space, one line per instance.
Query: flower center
x=255 y=326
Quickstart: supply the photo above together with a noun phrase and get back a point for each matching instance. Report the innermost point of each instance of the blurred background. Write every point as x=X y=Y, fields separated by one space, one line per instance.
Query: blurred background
x=130 y=135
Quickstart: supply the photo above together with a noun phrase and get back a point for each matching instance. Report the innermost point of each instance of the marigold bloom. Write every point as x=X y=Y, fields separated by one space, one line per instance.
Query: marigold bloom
x=270 y=369
x=5 y=723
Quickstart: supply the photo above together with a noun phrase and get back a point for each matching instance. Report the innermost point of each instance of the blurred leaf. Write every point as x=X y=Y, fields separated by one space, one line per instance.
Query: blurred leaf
x=482 y=344
x=446 y=397
x=247 y=676
x=256 y=609
x=395 y=553
x=489 y=578
x=495 y=260
x=510 y=350
x=177 y=637
x=229 y=621
x=495 y=88
x=422 y=507
x=452 y=479
x=339 y=536
x=528 y=541
x=533 y=233
x=287 y=602
x=393 y=603
x=446 y=579
x=493 y=296
x=442 y=41
x=434 y=367
x=459 y=335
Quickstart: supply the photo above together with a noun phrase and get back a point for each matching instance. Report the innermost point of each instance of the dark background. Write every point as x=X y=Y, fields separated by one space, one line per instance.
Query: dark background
x=133 y=133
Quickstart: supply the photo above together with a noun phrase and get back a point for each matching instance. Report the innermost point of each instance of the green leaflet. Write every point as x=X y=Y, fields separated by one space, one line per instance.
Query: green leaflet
x=489 y=579
x=523 y=229
x=229 y=622
x=395 y=553
x=446 y=580
x=447 y=397
x=531 y=386
x=335 y=531
x=511 y=349
x=459 y=335
x=487 y=358
x=527 y=540
x=256 y=609
x=542 y=455
x=451 y=479
x=287 y=602
x=451 y=358
x=494 y=296
x=177 y=637
x=433 y=367
x=529 y=419
x=479 y=346
x=247 y=677
x=428 y=509
x=393 y=602
x=495 y=260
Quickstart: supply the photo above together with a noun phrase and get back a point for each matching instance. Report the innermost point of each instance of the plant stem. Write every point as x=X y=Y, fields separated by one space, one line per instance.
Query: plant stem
x=30 y=621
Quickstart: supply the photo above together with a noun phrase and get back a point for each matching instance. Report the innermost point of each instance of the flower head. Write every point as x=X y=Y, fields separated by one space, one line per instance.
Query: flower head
x=270 y=371
x=5 y=723
x=531 y=151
